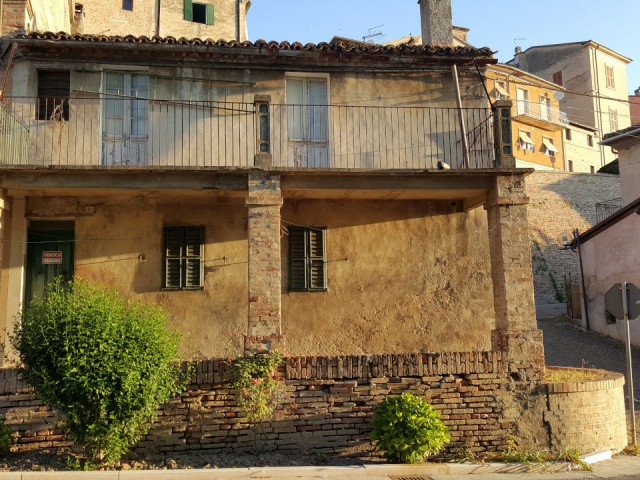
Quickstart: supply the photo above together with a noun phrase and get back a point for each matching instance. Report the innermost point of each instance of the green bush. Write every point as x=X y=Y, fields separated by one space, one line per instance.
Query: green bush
x=6 y=438
x=105 y=363
x=408 y=429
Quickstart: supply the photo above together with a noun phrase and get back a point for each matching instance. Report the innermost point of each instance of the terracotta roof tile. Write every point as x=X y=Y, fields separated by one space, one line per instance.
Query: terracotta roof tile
x=334 y=47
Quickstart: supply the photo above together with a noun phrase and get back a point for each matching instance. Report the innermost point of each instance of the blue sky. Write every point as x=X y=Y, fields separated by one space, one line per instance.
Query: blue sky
x=493 y=23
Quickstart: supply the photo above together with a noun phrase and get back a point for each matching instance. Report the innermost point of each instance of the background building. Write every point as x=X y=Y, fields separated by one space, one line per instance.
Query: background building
x=596 y=81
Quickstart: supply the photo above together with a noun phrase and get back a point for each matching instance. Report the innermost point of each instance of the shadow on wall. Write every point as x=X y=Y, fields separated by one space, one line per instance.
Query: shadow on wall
x=560 y=203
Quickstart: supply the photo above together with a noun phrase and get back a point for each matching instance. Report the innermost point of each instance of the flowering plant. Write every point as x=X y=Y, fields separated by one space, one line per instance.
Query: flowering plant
x=253 y=376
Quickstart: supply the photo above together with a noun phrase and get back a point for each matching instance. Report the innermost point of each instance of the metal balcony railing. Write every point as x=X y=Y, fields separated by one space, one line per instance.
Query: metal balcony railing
x=14 y=138
x=110 y=131
x=605 y=209
x=541 y=111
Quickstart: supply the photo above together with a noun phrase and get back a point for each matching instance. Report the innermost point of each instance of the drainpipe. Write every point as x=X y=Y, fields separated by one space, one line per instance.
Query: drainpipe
x=158 y=17
x=238 y=20
x=1 y=14
x=576 y=240
x=597 y=85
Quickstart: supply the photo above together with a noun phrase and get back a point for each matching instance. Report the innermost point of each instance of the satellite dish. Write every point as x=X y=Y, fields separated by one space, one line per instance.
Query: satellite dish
x=558 y=96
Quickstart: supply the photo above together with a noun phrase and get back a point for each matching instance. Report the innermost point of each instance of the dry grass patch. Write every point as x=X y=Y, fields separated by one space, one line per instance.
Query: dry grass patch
x=560 y=375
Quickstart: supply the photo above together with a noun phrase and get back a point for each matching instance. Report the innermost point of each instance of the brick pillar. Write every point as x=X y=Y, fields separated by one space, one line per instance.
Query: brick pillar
x=264 y=323
x=3 y=233
x=516 y=331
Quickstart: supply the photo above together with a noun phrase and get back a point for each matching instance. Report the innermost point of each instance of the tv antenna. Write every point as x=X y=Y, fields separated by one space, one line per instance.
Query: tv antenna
x=516 y=40
x=372 y=33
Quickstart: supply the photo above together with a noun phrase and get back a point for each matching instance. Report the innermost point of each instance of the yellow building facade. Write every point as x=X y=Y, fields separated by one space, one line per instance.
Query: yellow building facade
x=538 y=123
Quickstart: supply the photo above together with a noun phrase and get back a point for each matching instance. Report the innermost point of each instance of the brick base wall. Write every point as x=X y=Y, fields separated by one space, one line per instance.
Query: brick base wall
x=324 y=403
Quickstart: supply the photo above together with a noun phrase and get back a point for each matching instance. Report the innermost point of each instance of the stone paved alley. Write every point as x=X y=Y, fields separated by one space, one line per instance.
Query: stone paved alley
x=568 y=346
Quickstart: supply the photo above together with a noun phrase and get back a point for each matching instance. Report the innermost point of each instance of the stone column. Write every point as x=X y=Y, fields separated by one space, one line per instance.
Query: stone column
x=516 y=332
x=264 y=202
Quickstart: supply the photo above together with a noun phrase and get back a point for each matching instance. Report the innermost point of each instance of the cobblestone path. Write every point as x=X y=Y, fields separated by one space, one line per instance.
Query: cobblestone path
x=568 y=346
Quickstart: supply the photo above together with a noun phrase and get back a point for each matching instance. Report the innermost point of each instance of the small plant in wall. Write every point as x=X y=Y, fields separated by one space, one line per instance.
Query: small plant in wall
x=408 y=429
x=253 y=377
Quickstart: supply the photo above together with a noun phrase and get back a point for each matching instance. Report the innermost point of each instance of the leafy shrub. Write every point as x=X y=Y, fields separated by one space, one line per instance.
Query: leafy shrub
x=253 y=377
x=408 y=429
x=6 y=438
x=105 y=363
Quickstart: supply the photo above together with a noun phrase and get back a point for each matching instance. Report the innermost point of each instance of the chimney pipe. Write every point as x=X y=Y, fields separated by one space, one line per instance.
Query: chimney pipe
x=437 y=22
x=518 y=50
x=637 y=92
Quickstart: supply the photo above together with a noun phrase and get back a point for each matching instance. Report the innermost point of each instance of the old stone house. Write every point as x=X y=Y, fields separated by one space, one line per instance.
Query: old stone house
x=342 y=200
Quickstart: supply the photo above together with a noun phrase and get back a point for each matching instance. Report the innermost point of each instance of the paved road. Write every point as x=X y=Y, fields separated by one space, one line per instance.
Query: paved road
x=568 y=346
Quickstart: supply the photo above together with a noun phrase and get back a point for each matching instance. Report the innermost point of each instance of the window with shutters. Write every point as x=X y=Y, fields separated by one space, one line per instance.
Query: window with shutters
x=557 y=78
x=199 y=12
x=183 y=266
x=610 y=78
x=54 y=89
x=307 y=259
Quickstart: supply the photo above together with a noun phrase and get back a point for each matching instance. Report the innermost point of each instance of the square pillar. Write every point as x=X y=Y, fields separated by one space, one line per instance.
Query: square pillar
x=516 y=331
x=264 y=202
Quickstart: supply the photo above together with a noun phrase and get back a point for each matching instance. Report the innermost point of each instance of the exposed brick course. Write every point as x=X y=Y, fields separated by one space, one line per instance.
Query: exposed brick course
x=327 y=403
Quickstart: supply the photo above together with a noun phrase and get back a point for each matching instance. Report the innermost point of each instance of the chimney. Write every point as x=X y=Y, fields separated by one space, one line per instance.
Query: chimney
x=637 y=92
x=518 y=50
x=437 y=24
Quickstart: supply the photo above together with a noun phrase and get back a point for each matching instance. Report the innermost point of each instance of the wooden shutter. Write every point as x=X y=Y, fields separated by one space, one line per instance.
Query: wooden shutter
x=210 y=14
x=194 y=240
x=316 y=261
x=188 y=10
x=297 y=259
x=183 y=251
x=307 y=259
x=173 y=242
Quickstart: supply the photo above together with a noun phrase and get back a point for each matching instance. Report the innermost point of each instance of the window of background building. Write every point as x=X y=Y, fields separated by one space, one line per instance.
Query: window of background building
x=501 y=91
x=592 y=169
x=525 y=140
x=590 y=140
x=127 y=5
x=548 y=147
x=557 y=78
x=610 y=76
x=199 y=12
x=567 y=134
x=613 y=119
x=570 y=165
x=54 y=89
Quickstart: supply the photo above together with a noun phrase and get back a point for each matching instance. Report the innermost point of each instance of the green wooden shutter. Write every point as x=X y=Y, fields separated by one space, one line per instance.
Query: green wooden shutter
x=173 y=242
x=188 y=10
x=210 y=14
x=316 y=261
x=194 y=241
x=297 y=259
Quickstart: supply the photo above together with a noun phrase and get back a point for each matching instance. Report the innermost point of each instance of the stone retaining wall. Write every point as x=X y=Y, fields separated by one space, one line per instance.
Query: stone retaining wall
x=326 y=404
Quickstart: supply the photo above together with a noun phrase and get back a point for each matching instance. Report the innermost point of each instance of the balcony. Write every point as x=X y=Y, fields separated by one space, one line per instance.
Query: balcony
x=14 y=138
x=124 y=132
x=540 y=115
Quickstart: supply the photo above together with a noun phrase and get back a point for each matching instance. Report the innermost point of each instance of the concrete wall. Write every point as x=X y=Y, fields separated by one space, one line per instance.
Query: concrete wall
x=403 y=277
x=630 y=173
x=612 y=257
x=108 y=18
x=560 y=203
